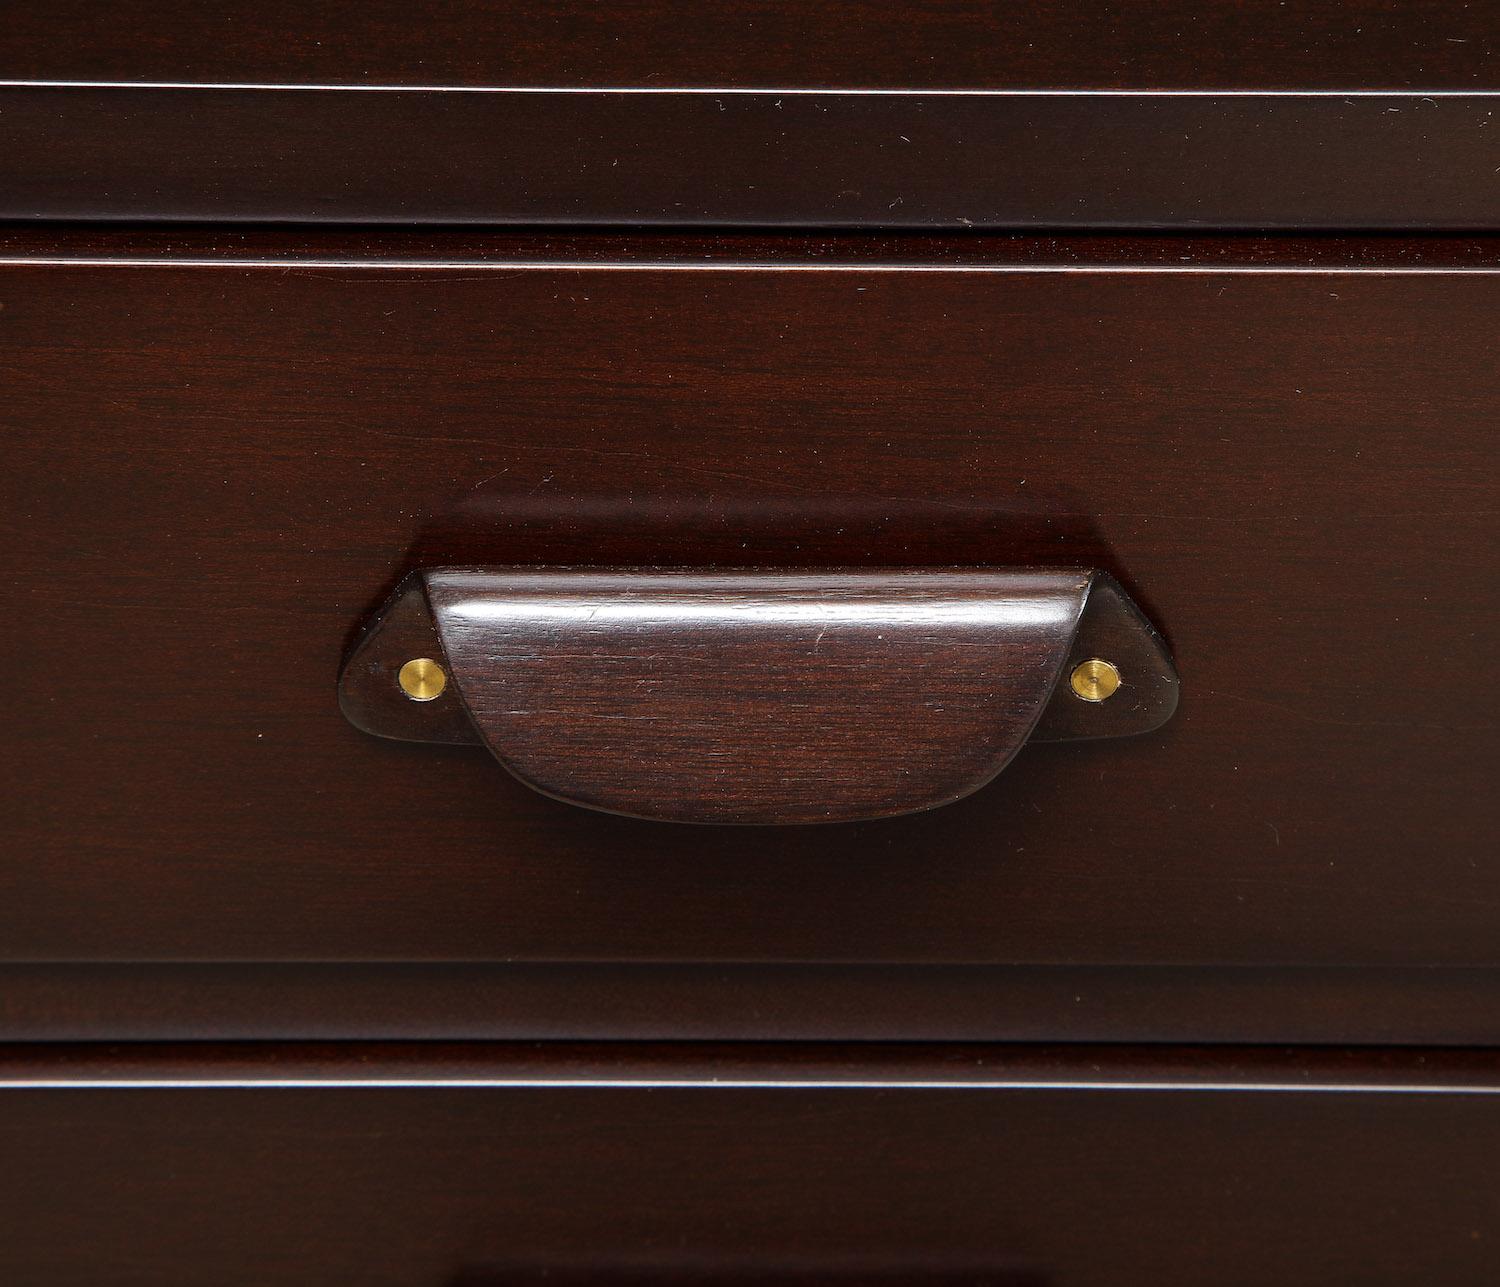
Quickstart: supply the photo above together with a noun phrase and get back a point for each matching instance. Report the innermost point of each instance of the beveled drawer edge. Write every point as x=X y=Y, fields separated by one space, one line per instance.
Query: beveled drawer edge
x=749 y=1066
x=589 y=1001
x=189 y=245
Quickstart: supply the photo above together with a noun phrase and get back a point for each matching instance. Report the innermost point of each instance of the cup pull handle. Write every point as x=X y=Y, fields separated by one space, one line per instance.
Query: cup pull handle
x=757 y=696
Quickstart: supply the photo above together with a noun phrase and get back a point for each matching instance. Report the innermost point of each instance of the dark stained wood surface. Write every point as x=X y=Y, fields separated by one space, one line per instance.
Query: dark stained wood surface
x=753 y=159
x=938 y=44
x=215 y=473
x=1057 y=1183
x=419 y=248
x=740 y=1001
x=1090 y=1069
x=757 y=695
x=923 y=686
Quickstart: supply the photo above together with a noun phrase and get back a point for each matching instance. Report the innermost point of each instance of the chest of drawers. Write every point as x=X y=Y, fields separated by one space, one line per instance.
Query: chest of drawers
x=1217 y=329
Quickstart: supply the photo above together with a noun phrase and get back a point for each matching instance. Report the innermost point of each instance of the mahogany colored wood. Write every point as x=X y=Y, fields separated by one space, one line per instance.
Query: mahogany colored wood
x=756 y=696
x=214 y=468
x=369 y=686
x=807 y=1065
x=939 y=44
x=1059 y=1181
x=214 y=472
x=767 y=157
x=424 y=248
x=716 y=1001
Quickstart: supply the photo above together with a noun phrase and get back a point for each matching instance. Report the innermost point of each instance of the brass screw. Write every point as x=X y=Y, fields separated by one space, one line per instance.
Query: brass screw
x=422 y=679
x=1095 y=680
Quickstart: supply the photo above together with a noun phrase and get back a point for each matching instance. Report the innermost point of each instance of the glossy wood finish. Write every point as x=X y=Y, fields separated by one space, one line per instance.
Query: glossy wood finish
x=808 y=1065
x=417 y=248
x=771 y=158
x=783 y=697
x=756 y=695
x=939 y=44
x=737 y=1001
x=214 y=472
x=1049 y=1183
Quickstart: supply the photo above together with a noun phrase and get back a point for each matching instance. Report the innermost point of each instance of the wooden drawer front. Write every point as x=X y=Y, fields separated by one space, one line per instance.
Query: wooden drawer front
x=762 y=157
x=1344 y=114
x=215 y=470
x=1100 y=1175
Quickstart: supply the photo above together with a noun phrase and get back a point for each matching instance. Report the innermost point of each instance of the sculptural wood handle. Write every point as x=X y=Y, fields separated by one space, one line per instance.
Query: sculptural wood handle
x=754 y=696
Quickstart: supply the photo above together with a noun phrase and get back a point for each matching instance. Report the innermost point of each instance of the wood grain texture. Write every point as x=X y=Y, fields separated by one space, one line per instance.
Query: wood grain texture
x=764 y=159
x=785 y=697
x=755 y=695
x=714 y=1001
x=440 y=1186
x=939 y=44
x=215 y=472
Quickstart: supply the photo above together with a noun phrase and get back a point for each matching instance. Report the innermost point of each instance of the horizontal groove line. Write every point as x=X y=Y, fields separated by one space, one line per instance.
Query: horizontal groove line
x=517 y=265
x=732 y=1083
x=768 y=1066
x=754 y=90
